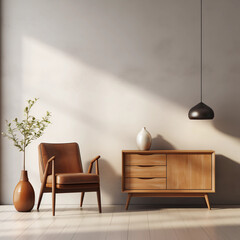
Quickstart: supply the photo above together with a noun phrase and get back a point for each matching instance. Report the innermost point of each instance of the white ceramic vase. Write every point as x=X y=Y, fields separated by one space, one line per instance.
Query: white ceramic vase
x=144 y=139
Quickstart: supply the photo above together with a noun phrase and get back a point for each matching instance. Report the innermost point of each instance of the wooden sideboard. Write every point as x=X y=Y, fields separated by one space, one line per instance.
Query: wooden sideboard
x=168 y=173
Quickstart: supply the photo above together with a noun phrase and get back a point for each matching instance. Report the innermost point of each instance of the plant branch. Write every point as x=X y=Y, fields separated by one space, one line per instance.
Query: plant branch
x=29 y=129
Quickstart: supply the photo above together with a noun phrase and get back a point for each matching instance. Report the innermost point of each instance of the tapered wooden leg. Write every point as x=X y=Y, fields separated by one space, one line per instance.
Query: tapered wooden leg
x=40 y=196
x=53 y=189
x=53 y=200
x=99 y=201
x=128 y=201
x=207 y=201
x=82 y=197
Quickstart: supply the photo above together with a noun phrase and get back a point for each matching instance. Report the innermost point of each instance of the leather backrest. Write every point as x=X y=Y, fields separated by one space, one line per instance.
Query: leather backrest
x=67 y=159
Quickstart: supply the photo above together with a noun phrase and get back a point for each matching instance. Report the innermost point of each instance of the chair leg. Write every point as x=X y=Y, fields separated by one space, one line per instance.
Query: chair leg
x=99 y=201
x=40 y=196
x=82 y=197
x=53 y=196
x=53 y=201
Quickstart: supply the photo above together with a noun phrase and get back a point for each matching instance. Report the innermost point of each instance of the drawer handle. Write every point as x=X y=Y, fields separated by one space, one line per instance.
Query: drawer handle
x=145 y=178
x=142 y=154
x=145 y=166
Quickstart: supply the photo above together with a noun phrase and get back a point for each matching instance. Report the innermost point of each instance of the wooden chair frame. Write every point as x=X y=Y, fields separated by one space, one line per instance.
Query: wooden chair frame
x=85 y=187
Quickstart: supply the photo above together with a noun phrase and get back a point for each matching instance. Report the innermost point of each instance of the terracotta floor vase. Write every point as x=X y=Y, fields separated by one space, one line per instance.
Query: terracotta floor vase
x=23 y=195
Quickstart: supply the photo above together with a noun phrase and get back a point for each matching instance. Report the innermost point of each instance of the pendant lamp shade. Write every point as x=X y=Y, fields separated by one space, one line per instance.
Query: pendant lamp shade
x=201 y=111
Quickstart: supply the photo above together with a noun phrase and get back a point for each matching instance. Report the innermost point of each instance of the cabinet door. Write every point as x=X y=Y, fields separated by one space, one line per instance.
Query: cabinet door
x=189 y=171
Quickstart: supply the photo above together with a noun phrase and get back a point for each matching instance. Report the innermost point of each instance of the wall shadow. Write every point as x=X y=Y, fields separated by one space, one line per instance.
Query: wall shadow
x=228 y=118
x=127 y=41
x=160 y=143
x=1 y=123
x=227 y=181
x=108 y=176
x=147 y=59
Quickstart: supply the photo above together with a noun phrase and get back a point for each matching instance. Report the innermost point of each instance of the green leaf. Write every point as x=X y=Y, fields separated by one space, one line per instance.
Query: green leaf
x=22 y=133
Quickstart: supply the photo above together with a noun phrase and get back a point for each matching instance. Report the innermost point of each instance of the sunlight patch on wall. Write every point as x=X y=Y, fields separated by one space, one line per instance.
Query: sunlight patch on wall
x=99 y=104
x=104 y=113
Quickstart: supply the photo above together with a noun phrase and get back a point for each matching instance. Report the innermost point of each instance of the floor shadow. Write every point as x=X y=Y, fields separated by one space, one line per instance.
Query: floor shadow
x=160 y=143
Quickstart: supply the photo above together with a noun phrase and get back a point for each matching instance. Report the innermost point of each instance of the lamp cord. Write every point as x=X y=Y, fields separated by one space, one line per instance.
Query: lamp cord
x=201 y=50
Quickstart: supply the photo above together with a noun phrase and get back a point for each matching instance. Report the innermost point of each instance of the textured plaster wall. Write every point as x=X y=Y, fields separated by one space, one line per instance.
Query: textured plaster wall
x=106 y=68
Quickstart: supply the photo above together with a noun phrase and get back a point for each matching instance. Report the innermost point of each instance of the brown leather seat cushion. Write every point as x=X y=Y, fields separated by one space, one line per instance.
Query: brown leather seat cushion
x=74 y=178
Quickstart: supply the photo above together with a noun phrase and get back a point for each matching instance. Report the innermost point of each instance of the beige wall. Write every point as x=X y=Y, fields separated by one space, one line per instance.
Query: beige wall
x=106 y=68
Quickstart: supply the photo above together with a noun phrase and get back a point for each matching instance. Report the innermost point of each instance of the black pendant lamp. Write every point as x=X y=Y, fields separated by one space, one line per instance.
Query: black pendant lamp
x=201 y=111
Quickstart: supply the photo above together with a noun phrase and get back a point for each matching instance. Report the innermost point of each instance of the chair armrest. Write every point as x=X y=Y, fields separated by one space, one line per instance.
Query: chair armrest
x=51 y=159
x=46 y=169
x=91 y=165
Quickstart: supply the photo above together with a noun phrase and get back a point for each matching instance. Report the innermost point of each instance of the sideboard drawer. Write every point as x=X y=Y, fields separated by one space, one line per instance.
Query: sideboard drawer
x=145 y=183
x=145 y=159
x=145 y=171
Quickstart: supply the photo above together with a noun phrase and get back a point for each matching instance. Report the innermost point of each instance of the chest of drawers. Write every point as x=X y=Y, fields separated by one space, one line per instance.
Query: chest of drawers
x=170 y=173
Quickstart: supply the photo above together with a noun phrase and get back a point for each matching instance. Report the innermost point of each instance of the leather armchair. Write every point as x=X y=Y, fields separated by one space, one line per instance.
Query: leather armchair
x=61 y=171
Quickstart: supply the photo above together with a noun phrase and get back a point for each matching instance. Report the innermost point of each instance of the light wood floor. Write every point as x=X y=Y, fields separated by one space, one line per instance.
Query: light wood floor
x=139 y=222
